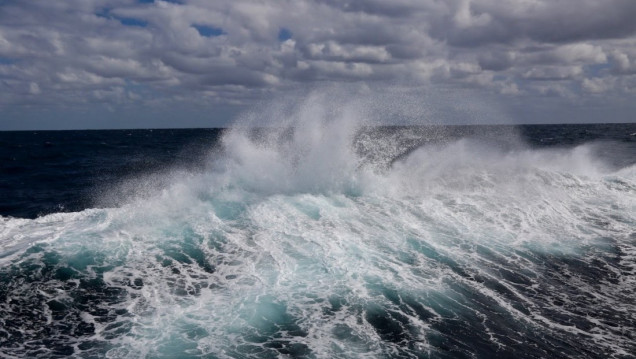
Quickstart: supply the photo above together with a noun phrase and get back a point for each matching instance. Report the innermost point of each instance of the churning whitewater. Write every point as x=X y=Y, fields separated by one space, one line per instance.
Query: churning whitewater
x=323 y=238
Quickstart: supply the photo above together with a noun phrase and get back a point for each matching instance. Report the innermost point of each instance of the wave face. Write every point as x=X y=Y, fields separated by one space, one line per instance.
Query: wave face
x=325 y=239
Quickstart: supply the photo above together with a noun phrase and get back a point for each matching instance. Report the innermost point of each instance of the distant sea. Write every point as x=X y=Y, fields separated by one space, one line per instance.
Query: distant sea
x=319 y=241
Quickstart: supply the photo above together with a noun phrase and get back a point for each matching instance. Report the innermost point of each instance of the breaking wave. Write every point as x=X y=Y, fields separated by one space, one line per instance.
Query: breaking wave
x=328 y=237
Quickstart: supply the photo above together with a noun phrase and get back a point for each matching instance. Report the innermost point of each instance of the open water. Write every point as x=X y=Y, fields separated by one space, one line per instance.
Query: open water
x=321 y=239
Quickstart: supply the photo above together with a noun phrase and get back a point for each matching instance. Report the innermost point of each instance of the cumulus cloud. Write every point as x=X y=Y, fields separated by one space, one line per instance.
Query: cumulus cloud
x=136 y=53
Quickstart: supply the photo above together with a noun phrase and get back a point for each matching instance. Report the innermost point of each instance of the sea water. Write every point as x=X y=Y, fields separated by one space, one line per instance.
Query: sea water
x=322 y=236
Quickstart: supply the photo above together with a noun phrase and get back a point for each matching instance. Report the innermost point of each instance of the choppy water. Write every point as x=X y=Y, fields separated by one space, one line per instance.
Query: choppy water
x=330 y=240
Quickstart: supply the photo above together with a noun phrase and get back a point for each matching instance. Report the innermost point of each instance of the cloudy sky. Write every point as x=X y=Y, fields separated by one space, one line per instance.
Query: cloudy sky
x=199 y=63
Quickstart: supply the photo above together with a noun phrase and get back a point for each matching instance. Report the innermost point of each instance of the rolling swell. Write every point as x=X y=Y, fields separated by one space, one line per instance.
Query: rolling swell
x=330 y=240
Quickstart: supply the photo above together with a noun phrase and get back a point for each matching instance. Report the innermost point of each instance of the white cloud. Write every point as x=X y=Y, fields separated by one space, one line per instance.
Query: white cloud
x=553 y=72
x=509 y=89
x=598 y=85
x=80 y=51
x=621 y=61
x=580 y=53
x=34 y=88
x=465 y=18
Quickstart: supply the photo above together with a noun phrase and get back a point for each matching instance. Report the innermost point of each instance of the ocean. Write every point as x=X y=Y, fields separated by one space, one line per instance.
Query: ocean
x=321 y=239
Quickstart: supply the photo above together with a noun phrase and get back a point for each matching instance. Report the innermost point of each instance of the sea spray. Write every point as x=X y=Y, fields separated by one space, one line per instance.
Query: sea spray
x=327 y=237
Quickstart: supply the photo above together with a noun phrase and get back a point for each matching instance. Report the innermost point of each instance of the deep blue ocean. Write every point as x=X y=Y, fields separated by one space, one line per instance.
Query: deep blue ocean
x=319 y=240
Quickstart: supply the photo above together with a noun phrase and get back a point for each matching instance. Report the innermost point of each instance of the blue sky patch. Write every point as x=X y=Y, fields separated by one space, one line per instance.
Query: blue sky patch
x=152 y=1
x=6 y=61
x=105 y=13
x=129 y=21
x=284 y=34
x=209 y=31
x=597 y=69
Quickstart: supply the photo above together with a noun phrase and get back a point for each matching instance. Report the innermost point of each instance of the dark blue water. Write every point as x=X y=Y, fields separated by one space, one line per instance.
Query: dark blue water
x=327 y=241
x=64 y=171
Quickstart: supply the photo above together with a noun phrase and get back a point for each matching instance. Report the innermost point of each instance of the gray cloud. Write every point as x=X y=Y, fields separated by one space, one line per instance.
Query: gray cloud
x=474 y=23
x=73 y=54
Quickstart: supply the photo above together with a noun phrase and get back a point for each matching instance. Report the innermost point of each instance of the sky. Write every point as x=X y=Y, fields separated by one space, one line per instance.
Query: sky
x=82 y=64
